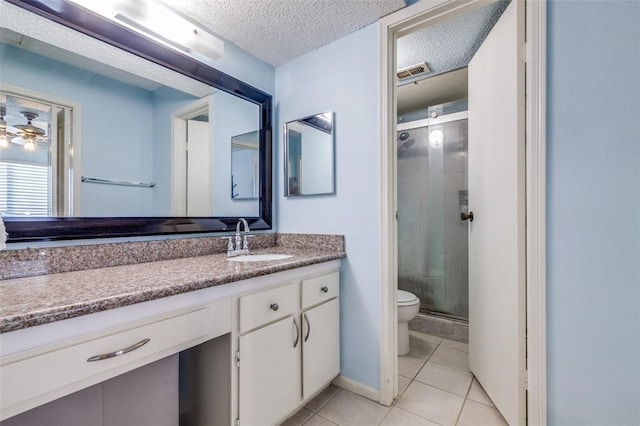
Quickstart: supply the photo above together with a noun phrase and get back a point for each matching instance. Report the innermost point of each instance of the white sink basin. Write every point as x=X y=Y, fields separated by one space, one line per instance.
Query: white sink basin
x=258 y=257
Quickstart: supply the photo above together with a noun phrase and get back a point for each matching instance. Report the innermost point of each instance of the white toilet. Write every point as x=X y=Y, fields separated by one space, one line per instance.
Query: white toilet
x=408 y=306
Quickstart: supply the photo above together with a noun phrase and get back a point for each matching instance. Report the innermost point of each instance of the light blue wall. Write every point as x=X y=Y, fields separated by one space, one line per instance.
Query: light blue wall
x=110 y=136
x=342 y=77
x=593 y=234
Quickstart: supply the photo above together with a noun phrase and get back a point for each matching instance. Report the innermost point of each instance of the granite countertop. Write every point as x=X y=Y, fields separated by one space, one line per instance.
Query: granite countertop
x=36 y=300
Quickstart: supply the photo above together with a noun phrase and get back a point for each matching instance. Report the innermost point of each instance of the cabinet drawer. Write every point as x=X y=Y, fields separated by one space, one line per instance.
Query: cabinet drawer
x=33 y=381
x=261 y=308
x=318 y=289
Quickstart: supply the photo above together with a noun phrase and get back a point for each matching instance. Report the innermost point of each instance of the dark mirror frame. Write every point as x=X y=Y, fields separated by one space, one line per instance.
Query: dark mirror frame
x=61 y=228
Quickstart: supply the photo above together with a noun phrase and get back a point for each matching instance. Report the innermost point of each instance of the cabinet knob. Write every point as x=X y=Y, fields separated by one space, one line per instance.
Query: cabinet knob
x=325 y=289
x=274 y=306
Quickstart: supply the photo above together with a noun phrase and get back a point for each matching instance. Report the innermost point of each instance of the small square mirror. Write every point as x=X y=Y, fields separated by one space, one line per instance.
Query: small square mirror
x=309 y=167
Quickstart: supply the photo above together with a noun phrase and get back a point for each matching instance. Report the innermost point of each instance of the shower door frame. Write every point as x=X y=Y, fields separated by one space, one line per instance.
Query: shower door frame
x=427 y=122
x=391 y=28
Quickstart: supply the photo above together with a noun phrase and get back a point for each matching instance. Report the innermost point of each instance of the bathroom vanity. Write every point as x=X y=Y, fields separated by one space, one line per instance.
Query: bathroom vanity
x=266 y=333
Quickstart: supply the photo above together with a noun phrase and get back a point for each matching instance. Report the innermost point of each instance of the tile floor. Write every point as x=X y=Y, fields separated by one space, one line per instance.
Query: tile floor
x=435 y=388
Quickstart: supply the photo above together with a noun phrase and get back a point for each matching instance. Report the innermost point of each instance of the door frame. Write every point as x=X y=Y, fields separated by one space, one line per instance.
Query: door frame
x=179 y=120
x=409 y=19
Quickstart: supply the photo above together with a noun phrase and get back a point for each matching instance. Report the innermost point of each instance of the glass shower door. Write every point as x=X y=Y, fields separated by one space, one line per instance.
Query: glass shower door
x=432 y=240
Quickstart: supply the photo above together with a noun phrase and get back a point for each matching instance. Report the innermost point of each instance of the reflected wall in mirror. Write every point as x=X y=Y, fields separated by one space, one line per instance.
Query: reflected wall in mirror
x=244 y=166
x=126 y=138
x=309 y=155
x=113 y=137
x=203 y=143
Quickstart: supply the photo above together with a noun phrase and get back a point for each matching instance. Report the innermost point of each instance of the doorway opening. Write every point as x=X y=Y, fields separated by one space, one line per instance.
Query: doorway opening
x=192 y=160
x=39 y=154
x=410 y=21
x=432 y=239
x=431 y=175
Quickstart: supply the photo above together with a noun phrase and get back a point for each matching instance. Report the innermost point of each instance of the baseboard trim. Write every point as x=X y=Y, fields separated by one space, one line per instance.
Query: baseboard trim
x=357 y=387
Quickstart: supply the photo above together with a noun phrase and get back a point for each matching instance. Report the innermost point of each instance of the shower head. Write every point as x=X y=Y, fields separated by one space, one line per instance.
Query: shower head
x=403 y=136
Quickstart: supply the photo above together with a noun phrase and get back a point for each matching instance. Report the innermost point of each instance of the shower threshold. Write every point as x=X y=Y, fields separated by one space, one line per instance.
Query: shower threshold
x=441 y=326
x=444 y=316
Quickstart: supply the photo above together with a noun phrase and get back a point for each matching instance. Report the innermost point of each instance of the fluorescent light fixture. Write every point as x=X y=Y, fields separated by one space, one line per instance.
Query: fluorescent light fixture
x=160 y=23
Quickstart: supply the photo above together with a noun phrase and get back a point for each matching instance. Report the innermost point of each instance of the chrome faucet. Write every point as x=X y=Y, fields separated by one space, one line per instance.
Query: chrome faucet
x=241 y=242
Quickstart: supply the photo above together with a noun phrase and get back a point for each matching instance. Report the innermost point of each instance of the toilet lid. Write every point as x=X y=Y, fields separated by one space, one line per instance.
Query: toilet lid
x=406 y=297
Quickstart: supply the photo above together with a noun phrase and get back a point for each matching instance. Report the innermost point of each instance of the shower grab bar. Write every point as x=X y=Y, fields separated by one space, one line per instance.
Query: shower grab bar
x=115 y=182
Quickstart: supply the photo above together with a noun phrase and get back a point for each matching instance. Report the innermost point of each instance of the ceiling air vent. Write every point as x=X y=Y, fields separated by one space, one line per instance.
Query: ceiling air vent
x=413 y=71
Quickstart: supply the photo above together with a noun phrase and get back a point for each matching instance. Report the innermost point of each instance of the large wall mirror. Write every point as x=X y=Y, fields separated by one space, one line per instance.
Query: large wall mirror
x=115 y=135
x=309 y=155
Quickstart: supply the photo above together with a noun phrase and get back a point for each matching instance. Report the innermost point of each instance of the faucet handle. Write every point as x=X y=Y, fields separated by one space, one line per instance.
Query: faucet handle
x=230 y=244
x=245 y=243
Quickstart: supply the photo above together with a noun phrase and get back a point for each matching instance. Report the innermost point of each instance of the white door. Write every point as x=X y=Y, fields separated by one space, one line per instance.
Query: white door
x=497 y=345
x=198 y=169
x=320 y=347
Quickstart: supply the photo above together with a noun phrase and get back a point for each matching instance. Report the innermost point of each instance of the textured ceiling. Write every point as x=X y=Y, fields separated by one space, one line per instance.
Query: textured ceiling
x=446 y=47
x=450 y=44
x=277 y=31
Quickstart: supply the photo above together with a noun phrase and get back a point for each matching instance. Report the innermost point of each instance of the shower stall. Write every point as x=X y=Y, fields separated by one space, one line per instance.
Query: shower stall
x=432 y=194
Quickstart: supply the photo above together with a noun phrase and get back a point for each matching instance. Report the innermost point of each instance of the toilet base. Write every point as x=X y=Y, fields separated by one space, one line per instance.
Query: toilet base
x=403 y=338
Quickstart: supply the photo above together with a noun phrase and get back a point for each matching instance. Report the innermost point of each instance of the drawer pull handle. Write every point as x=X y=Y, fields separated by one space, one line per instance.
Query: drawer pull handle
x=325 y=289
x=131 y=348
x=274 y=307
x=308 y=328
x=297 y=333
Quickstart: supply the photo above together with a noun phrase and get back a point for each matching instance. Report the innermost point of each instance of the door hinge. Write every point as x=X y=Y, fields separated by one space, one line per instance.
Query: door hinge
x=238 y=362
x=396 y=214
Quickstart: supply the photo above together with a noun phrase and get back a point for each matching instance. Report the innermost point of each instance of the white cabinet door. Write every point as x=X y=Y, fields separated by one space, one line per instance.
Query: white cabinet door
x=497 y=348
x=321 y=346
x=270 y=373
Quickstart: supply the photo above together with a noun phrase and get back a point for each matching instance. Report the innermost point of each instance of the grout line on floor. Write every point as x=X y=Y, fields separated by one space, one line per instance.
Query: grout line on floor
x=323 y=418
x=460 y=413
x=388 y=411
x=330 y=399
x=439 y=388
